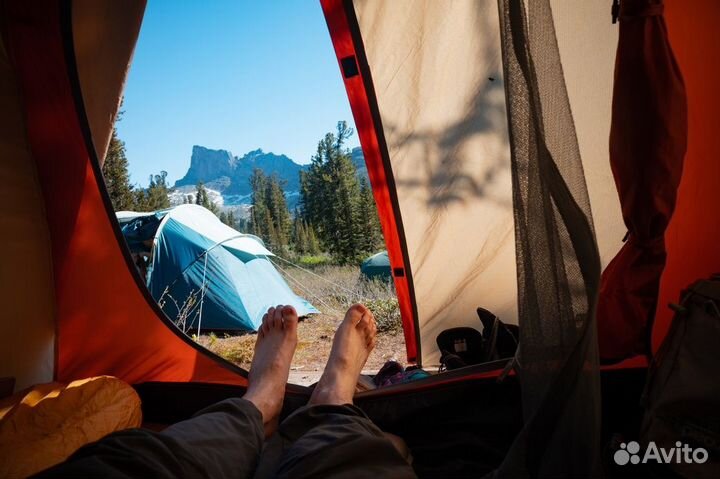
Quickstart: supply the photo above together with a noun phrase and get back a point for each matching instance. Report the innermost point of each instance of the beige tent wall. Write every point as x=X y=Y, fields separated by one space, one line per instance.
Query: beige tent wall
x=587 y=41
x=104 y=34
x=437 y=71
x=27 y=325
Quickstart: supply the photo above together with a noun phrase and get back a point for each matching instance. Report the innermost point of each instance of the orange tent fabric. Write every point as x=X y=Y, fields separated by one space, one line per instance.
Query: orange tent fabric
x=694 y=232
x=107 y=323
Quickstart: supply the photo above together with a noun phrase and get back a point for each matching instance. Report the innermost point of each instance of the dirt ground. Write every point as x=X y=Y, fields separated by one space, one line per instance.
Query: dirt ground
x=316 y=332
x=315 y=340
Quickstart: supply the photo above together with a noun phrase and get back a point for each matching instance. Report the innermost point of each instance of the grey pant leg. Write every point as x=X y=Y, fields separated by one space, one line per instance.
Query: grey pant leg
x=331 y=441
x=223 y=440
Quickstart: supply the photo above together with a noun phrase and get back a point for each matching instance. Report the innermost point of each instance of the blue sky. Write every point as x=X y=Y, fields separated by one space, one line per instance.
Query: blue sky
x=233 y=75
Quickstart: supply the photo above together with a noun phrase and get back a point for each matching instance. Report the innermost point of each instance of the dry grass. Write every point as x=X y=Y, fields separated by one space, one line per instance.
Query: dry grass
x=332 y=289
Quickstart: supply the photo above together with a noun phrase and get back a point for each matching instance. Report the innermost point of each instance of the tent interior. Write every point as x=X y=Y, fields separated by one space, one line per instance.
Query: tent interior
x=489 y=130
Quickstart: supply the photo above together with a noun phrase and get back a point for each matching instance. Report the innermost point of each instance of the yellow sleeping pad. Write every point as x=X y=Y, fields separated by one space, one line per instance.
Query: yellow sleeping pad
x=44 y=425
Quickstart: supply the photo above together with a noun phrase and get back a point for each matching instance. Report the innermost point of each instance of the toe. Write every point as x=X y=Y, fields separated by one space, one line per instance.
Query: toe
x=365 y=323
x=267 y=321
x=290 y=317
x=355 y=313
x=277 y=317
x=270 y=317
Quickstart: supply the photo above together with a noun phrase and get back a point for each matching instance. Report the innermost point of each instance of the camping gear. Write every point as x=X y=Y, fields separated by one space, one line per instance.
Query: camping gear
x=377 y=266
x=393 y=372
x=462 y=347
x=205 y=275
x=485 y=133
x=682 y=396
x=646 y=155
x=43 y=425
x=500 y=340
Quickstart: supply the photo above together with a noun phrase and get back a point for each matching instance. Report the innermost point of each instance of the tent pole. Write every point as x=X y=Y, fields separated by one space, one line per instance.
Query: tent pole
x=202 y=295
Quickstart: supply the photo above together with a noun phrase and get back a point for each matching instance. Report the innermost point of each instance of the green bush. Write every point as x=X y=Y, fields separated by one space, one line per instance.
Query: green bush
x=387 y=315
x=312 y=261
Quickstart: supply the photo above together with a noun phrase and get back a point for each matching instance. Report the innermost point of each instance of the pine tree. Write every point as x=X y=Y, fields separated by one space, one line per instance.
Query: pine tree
x=200 y=194
x=117 y=178
x=242 y=225
x=155 y=197
x=231 y=222
x=369 y=224
x=203 y=199
x=140 y=199
x=157 y=192
x=278 y=212
x=258 y=217
x=300 y=239
x=330 y=197
x=313 y=245
x=271 y=235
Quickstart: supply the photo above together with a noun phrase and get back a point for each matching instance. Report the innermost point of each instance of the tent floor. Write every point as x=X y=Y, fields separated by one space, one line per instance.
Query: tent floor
x=461 y=429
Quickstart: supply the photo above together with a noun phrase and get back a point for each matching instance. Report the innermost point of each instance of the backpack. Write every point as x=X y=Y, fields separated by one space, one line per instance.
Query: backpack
x=466 y=346
x=682 y=392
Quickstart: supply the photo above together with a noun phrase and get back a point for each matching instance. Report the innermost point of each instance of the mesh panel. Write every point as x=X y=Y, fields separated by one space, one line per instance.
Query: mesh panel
x=557 y=259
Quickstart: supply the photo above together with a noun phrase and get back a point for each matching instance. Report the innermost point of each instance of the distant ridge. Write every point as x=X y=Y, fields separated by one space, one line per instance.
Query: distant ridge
x=229 y=174
x=227 y=177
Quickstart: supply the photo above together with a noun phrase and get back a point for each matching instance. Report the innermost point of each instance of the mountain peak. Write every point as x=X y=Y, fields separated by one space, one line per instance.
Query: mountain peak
x=231 y=175
x=254 y=153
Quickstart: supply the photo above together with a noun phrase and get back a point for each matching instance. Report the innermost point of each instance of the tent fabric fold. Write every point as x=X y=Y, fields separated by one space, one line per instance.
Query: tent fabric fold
x=648 y=140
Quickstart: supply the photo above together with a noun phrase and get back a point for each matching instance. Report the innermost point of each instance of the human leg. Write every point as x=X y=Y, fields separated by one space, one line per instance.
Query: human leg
x=330 y=437
x=223 y=440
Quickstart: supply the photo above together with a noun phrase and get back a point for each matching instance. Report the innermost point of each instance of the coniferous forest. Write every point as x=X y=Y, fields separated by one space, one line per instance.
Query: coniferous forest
x=336 y=216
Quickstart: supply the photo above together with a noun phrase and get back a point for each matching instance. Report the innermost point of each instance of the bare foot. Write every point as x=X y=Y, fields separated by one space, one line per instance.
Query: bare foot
x=354 y=340
x=274 y=349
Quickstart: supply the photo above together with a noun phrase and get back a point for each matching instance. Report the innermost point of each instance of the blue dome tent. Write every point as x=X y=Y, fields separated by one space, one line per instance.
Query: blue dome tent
x=204 y=274
x=377 y=266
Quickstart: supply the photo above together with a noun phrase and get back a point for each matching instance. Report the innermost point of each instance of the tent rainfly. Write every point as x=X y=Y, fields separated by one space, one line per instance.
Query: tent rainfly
x=511 y=147
x=377 y=266
x=204 y=274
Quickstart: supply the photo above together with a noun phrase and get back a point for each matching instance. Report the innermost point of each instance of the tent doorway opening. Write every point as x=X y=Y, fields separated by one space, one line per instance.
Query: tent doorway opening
x=239 y=183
